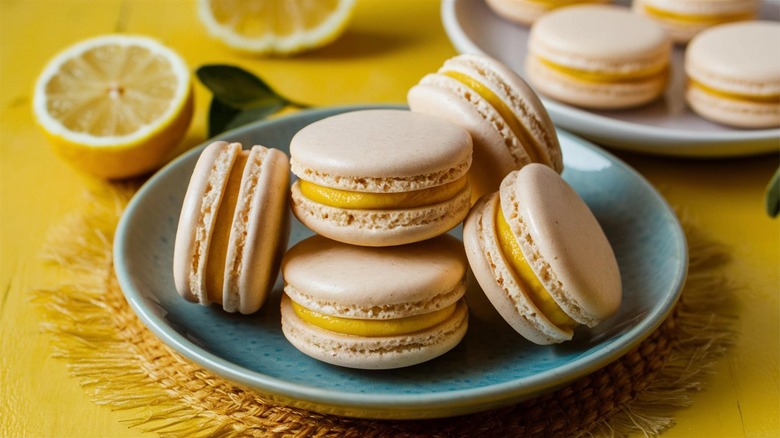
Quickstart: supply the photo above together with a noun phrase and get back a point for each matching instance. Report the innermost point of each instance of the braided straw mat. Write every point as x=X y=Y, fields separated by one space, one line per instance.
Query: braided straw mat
x=122 y=365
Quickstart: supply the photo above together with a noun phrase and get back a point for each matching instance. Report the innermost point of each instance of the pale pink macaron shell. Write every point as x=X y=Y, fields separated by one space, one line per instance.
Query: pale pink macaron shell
x=351 y=281
x=527 y=11
x=259 y=229
x=702 y=14
x=598 y=39
x=741 y=59
x=563 y=243
x=381 y=151
x=497 y=149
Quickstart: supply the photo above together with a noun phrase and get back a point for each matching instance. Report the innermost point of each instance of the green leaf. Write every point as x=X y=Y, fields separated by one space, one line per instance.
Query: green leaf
x=239 y=97
x=220 y=116
x=252 y=115
x=237 y=87
x=773 y=195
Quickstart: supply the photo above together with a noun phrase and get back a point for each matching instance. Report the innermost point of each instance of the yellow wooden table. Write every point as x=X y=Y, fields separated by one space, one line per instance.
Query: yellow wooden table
x=389 y=45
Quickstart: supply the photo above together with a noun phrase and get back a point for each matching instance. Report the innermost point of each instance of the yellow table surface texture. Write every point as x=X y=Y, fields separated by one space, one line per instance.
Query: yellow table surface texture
x=388 y=46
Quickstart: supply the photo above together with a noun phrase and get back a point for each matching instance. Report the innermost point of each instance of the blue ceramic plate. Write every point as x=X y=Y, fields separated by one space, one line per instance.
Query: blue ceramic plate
x=491 y=367
x=665 y=127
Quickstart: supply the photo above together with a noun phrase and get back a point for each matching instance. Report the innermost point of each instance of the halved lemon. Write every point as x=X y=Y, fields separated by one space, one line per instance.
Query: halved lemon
x=115 y=106
x=275 y=26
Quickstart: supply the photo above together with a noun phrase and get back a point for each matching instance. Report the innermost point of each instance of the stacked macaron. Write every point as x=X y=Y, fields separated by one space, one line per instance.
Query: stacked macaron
x=379 y=286
x=375 y=308
x=381 y=177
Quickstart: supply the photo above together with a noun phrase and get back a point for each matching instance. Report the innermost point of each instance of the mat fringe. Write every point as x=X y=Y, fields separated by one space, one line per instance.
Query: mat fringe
x=121 y=365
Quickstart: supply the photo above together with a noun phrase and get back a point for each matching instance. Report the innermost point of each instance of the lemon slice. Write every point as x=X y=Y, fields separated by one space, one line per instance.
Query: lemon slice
x=115 y=106
x=275 y=26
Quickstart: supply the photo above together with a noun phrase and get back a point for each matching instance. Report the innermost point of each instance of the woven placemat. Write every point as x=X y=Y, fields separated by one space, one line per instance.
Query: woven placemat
x=122 y=365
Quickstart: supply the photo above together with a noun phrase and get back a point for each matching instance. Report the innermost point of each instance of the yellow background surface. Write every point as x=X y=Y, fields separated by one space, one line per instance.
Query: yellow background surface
x=388 y=46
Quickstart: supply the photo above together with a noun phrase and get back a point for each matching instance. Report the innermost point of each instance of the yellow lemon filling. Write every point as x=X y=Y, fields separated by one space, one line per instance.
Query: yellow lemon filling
x=215 y=264
x=381 y=201
x=525 y=276
x=697 y=19
x=373 y=327
x=506 y=113
x=771 y=98
x=607 y=78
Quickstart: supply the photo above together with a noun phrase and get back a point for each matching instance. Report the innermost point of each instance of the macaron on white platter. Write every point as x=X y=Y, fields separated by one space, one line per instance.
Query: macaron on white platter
x=491 y=367
x=665 y=127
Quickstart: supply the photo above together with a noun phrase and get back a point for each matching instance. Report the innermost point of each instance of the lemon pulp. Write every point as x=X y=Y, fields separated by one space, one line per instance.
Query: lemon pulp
x=525 y=276
x=275 y=26
x=380 y=201
x=112 y=100
x=114 y=105
x=373 y=327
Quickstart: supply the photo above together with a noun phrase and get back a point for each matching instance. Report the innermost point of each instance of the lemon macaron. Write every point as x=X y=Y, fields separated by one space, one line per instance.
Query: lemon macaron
x=598 y=57
x=684 y=19
x=733 y=73
x=541 y=256
x=375 y=308
x=380 y=177
x=233 y=227
x=508 y=124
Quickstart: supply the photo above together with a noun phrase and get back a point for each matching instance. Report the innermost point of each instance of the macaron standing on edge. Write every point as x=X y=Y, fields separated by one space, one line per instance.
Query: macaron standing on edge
x=734 y=74
x=381 y=177
x=527 y=11
x=375 y=308
x=684 y=19
x=233 y=227
x=598 y=57
x=508 y=124
x=541 y=256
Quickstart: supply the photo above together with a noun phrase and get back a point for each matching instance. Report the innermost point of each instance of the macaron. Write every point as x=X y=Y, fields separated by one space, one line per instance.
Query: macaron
x=508 y=124
x=734 y=74
x=374 y=308
x=683 y=19
x=541 y=257
x=381 y=177
x=233 y=227
x=598 y=57
x=527 y=11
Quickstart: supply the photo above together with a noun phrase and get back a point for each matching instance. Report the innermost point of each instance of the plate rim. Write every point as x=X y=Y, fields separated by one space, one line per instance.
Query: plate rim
x=654 y=140
x=396 y=406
